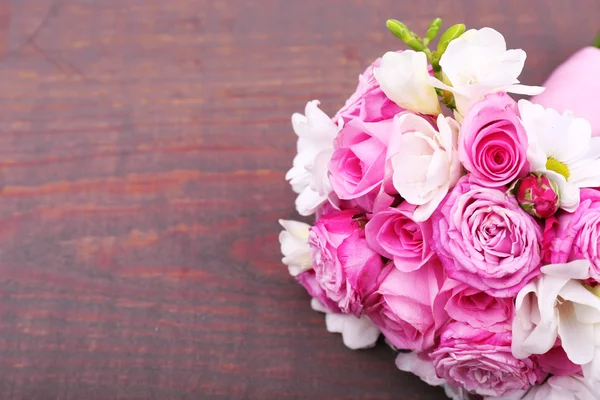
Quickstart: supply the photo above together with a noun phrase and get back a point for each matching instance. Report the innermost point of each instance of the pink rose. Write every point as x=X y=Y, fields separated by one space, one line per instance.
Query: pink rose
x=345 y=267
x=408 y=308
x=309 y=281
x=476 y=308
x=574 y=86
x=576 y=236
x=368 y=103
x=395 y=235
x=482 y=362
x=484 y=239
x=493 y=143
x=357 y=166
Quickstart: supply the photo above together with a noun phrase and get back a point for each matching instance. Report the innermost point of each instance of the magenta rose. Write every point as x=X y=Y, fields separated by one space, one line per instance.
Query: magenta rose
x=482 y=362
x=358 y=162
x=395 y=235
x=368 y=103
x=493 y=143
x=408 y=308
x=476 y=308
x=308 y=279
x=485 y=239
x=576 y=236
x=345 y=267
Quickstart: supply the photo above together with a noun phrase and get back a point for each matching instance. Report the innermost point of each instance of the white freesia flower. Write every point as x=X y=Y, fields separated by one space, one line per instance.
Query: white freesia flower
x=557 y=305
x=424 y=161
x=477 y=63
x=403 y=77
x=308 y=176
x=294 y=246
x=564 y=388
x=357 y=333
x=562 y=148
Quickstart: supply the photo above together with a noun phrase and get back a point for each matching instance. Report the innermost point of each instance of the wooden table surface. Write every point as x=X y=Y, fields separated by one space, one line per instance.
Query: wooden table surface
x=143 y=145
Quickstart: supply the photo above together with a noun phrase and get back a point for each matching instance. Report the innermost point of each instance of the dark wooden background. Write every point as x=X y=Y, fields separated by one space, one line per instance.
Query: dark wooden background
x=143 y=145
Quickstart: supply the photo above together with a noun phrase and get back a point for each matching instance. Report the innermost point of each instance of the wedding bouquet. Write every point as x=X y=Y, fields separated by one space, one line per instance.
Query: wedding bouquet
x=461 y=225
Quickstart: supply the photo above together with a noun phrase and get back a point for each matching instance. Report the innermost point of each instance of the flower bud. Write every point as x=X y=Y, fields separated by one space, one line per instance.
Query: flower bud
x=538 y=195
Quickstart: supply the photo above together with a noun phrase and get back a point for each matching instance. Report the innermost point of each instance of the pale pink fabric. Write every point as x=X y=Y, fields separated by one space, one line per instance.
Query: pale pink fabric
x=574 y=86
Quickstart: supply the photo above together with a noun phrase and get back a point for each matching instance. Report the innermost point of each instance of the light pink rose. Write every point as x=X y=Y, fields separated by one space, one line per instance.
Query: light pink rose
x=493 y=143
x=476 y=308
x=309 y=281
x=345 y=267
x=574 y=86
x=368 y=103
x=408 y=308
x=357 y=166
x=395 y=235
x=422 y=161
x=576 y=236
x=484 y=239
x=482 y=362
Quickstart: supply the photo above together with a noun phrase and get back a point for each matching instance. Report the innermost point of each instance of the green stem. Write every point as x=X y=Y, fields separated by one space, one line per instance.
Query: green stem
x=597 y=42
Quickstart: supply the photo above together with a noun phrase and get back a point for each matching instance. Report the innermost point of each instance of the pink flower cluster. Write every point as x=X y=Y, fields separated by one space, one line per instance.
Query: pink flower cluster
x=432 y=228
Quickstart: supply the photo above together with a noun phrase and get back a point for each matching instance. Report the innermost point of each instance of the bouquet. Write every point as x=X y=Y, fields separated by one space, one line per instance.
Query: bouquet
x=461 y=225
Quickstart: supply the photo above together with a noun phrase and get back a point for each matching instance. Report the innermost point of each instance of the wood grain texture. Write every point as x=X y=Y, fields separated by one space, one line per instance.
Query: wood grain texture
x=143 y=145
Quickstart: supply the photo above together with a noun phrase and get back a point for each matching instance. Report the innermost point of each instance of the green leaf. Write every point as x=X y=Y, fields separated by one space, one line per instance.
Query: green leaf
x=597 y=41
x=433 y=29
x=452 y=33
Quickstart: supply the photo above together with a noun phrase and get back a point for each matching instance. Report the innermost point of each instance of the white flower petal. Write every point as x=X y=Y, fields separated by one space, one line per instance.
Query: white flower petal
x=308 y=201
x=357 y=333
x=563 y=388
x=526 y=90
x=591 y=371
x=569 y=193
x=294 y=246
x=577 y=338
x=403 y=77
x=421 y=367
x=490 y=67
x=578 y=269
x=511 y=396
x=456 y=392
x=557 y=305
x=522 y=323
x=317 y=306
x=308 y=176
x=564 y=139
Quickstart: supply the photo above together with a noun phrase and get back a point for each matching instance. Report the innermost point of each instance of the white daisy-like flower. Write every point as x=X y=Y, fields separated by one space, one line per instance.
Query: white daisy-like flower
x=478 y=63
x=561 y=147
x=308 y=176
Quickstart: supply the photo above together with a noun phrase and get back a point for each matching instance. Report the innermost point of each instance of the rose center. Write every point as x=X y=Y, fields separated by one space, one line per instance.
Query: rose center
x=499 y=157
x=557 y=166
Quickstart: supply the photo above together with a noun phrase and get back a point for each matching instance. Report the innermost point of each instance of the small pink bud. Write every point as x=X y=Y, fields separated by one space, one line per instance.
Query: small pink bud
x=538 y=195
